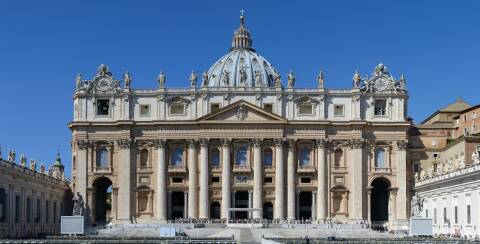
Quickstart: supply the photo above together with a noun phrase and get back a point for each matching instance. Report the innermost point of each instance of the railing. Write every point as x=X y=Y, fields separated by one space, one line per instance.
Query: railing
x=176 y=168
x=216 y=168
x=100 y=169
x=268 y=168
x=381 y=169
x=241 y=167
x=144 y=169
x=469 y=169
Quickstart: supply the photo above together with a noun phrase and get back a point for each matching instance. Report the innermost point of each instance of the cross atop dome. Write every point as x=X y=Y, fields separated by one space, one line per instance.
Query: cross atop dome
x=241 y=37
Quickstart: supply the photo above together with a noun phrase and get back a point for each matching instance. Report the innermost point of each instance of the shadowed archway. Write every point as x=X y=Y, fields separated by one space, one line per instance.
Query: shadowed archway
x=103 y=199
x=379 y=200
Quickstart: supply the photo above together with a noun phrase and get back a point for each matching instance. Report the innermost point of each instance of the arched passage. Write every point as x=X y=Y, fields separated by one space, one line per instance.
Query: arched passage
x=215 y=210
x=268 y=211
x=103 y=199
x=379 y=200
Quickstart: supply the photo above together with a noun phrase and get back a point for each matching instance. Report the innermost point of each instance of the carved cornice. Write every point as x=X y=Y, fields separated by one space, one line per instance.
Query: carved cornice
x=124 y=143
x=158 y=144
x=82 y=144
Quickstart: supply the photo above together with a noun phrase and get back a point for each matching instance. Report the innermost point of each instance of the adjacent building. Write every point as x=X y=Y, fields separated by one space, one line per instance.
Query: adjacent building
x=31 y=201
x=242 y=138
x=445 y=151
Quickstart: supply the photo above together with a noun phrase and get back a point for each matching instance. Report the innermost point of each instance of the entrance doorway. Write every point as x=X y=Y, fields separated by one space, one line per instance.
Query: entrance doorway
x=178 y=205
x=305 y=205
x=103 y=200
x=215 y=210
x=241 y=201
x=268 y=211
x=379 y=200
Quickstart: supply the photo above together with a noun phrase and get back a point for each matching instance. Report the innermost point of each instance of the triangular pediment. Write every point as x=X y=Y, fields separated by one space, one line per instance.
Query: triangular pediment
x=241 y=112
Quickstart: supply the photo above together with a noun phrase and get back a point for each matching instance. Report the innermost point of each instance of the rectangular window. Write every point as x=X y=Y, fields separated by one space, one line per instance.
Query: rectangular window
x=435 y=167
x=177 y=180
x=241 y=179
x=17 y=209
x=469 y=219
x=305 y=180
x=435 y=216
x=103 y=107
x=456 y=214
x=215 y=179
x=29 y=210
x=214 y=107
x=177 y=109
x=474 y=115
x=380 y=107
x=268 y=180
x=338 y=110
x=39 y=211
x=474 y=129
x=144 y=110
x=305 y=109
x=268 y=107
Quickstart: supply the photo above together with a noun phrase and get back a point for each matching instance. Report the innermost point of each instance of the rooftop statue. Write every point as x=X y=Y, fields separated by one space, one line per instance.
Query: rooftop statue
x=33 y=165
x=127 y=79
x=356 y=79
x=321 y=80
x=78 y=81
x=291 y=79
x=161 y=79
x=11 y=156
x=278 y=79
x=42 y=168
x=205 y=79
x=193 y=79
x=23 y=160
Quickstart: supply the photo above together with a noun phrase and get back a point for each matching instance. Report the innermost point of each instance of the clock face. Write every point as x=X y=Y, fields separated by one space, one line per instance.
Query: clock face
x=104 y=84
x=381 y=84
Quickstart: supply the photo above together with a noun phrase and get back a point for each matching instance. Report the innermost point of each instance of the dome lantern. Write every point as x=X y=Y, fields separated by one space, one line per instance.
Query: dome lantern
x=242 y=39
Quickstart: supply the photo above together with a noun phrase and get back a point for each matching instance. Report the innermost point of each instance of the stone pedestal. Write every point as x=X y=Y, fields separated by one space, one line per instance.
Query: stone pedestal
x=420 y=226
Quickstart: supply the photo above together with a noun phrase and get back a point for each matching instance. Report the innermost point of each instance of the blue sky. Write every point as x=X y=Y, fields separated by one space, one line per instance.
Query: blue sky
x=44 y=44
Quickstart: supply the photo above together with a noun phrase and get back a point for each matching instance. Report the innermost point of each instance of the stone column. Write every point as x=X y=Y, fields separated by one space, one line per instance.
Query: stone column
x=369 y=204
x=203 y=179
x=314 y=205
x=169 y=205
x=225 y=179
x=291 y=180
x=401 y=197
x=192 y=179
x=321 y=181
x=81 y=167
x=356 y=147
x=90 y=203
x=125 y=184
x=393 y=201
x=257 y=178
x=250 y=203
x=278 y=212
x=161 y=185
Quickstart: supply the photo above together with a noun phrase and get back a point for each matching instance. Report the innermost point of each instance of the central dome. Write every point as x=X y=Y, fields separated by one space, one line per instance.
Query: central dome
x=242 y=66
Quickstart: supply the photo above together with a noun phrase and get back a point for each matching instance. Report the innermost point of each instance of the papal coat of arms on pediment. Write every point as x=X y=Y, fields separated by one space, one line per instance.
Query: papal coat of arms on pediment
x=242 y=112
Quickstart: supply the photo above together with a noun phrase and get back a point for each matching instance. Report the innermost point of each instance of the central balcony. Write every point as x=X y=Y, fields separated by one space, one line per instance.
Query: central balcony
x=103 y=170
x=177 y=169
x=306 y=169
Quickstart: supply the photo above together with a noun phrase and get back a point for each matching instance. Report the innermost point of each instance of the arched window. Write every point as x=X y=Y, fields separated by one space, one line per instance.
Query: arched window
x=379 y=158
x=215 y=158
x=305 y=157
x=338 y=157
x=267 y=157
x=102 y=157
x=241 y=158
x=144 y=158
x=177 y=157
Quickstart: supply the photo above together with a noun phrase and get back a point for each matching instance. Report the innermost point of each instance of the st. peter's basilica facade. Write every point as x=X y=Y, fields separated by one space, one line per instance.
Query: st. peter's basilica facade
x=242 y=138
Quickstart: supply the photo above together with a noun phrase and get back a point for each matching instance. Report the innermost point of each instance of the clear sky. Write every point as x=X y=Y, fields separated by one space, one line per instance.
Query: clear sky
x=44 y=44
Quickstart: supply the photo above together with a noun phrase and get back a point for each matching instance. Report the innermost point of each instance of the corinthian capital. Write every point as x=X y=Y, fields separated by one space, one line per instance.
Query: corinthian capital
x=402 y=145
x=82 y=144
x=191 y=143
x=291 y=145
x=159 y=143
x=355 y=143
x=321 y=143
x=203 y=142
x=124 y=143
x=278 y=142
x=226 y=142
x=256 y=142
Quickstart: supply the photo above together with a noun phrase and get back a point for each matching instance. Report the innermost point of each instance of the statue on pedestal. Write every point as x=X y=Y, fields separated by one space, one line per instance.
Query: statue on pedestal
x=291 y=79
x=127 y=79
x=475 y=158
x=33 y=165
x=278 y=81
x=321 y=80
x=78 y=81
x=42 y=168
x=161 y=79
x=356 y=79
x=417 y=205
x=193 y=79
x=23 y=160
x=77 y=205
x=205 y=79
x=11 y=156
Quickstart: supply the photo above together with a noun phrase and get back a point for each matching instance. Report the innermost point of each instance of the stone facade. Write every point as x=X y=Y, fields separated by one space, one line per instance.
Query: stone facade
x=241 y=139
x=31 y=201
